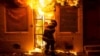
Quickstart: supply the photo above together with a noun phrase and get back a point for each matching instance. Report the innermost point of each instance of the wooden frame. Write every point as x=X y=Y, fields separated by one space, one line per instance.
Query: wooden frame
x=89 y=50
x=68 y=19
x=21 y=19
x=58 y=21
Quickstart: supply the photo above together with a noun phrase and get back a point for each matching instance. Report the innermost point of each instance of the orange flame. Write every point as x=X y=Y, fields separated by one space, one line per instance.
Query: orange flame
x=44 y=10
x=72 y=2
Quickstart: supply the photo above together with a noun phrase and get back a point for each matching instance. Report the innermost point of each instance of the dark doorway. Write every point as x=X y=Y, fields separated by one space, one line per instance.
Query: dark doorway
x=91 y=22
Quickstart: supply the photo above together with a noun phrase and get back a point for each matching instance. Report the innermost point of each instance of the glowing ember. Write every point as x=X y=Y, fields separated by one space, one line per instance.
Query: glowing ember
x=33 y=51
x=62 y=51
x=37 y=50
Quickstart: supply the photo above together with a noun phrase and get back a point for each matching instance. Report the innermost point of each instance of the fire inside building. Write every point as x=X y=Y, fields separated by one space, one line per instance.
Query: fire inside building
x=22 y=25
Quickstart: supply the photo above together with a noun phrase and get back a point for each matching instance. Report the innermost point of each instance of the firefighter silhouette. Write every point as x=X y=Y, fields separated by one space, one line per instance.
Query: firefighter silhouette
x=48 y=36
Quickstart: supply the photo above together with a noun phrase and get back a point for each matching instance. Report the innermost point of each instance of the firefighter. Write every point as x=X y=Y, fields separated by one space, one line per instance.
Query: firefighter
x=48 y=36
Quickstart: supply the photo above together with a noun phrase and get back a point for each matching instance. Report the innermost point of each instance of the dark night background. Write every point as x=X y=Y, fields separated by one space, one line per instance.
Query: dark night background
x=91 y=21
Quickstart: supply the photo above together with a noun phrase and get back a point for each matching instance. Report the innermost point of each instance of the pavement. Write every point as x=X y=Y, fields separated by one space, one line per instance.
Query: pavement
x=36 y=54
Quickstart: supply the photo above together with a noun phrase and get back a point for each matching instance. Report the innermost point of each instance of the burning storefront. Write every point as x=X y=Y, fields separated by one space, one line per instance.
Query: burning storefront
x=23 y=22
